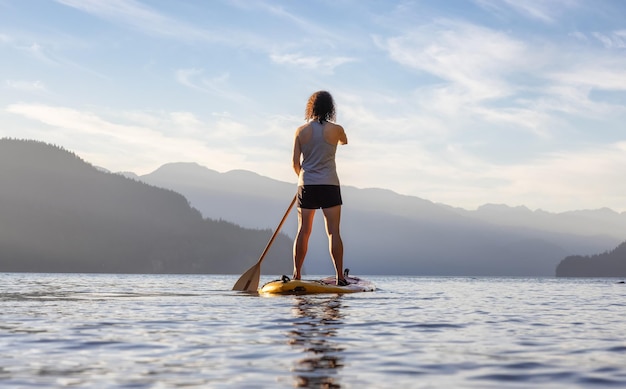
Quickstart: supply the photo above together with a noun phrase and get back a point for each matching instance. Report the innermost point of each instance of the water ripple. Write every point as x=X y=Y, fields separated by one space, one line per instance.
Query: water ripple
x=169 y=331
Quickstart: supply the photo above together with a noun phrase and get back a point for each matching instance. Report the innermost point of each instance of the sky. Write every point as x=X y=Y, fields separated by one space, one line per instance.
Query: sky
x=460 y=102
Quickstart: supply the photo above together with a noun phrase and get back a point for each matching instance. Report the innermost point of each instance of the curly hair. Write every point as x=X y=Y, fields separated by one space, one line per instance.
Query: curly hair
x=320 y=107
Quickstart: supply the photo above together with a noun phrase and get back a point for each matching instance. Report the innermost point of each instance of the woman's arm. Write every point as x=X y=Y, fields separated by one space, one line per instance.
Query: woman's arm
x=343 y=138
x=297 y=151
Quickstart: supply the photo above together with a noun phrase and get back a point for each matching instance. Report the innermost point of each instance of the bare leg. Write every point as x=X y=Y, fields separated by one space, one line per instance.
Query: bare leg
x=332 y=216
x=301 y=243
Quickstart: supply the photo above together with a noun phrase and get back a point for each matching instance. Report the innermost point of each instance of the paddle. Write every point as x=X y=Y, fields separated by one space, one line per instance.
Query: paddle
x=249 y=281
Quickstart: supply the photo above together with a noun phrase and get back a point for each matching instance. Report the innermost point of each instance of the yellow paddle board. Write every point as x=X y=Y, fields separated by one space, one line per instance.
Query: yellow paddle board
x=326 y=285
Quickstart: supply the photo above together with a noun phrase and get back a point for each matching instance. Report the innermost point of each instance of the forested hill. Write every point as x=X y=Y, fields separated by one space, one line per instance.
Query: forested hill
x=61 y=214
x=609 y=264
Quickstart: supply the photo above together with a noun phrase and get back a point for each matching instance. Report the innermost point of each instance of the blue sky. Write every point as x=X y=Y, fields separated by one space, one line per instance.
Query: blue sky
x=458 y=102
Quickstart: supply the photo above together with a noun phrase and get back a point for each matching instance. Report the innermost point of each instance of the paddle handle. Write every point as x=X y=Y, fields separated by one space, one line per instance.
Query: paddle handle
x=282 y=221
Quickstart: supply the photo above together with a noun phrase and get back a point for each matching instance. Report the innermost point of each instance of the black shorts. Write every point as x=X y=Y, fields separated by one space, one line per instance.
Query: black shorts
x=319 y=196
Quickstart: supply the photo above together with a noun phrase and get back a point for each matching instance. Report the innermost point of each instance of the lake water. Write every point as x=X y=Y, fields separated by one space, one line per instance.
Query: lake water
x=162 y=331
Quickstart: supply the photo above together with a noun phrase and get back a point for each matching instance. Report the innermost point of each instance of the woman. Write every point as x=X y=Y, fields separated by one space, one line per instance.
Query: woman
x=314 y=150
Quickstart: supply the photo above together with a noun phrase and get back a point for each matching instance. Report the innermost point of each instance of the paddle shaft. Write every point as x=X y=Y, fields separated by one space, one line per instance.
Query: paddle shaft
x=282 y=221
x=254 y=273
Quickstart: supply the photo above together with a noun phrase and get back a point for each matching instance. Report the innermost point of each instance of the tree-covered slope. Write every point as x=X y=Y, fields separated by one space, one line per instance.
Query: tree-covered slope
x=61 y=214
x=608 y=264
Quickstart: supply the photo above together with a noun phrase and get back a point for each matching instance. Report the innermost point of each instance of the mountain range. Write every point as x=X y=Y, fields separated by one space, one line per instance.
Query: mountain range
x=58 y=213
x=389 y=233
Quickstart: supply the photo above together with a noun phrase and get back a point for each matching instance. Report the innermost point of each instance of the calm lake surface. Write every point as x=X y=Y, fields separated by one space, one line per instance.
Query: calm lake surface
x=164 y=331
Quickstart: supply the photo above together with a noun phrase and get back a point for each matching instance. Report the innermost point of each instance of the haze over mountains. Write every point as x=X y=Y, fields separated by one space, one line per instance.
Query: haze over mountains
x=61 y=214
x=388 y=233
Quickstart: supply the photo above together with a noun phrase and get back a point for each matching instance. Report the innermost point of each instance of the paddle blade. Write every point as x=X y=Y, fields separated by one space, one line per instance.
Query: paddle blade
x=249 y=281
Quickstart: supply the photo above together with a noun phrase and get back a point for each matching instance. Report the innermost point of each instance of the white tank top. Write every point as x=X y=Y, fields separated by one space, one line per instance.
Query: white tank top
x=318 y=159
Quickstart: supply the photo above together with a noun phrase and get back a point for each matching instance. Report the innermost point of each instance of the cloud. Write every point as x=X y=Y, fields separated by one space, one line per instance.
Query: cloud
x=133 y=14
x=26 y=86
x=185 y=119
x=38 y=52
x=145 y=19
x=595 y=173
x=218 y=86
x=324 y=34
x=557 y=181
x=280 y=12
x=447 y=109
x=612 y=40
x=49 y=51
x=474 y=58
x=83 y=122
x=185 y=77
x=546 y=11
x=492 y=76
x=324 y=65
x=579 y=36
x=476 y=73
x=491 y=80
x=143 y=141
x=272 y=42
x=608 y=76
x=534 y=10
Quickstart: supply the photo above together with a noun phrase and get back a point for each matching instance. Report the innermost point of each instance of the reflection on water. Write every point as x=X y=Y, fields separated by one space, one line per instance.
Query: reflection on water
x=317 y=320
x=172 y=331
